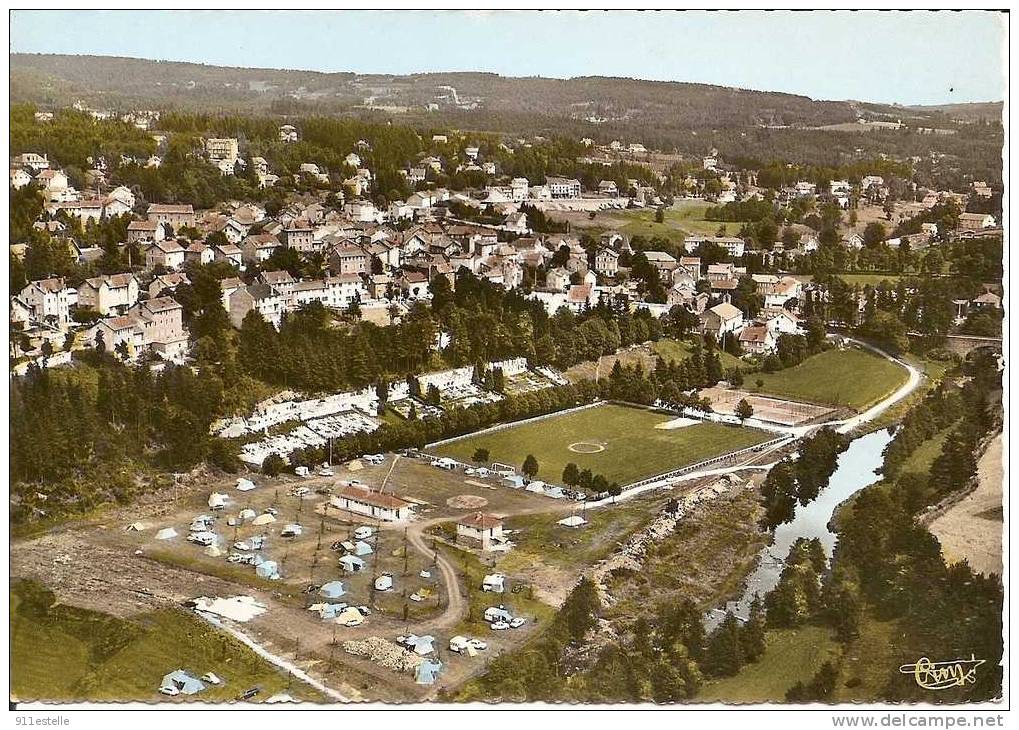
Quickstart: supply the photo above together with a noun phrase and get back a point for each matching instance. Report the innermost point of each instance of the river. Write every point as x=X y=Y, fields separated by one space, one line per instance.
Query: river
x=855 y=470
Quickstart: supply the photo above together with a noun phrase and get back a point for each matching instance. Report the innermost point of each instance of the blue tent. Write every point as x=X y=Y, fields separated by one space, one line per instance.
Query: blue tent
x=362 y=548
x=332 y=610
x=332 y=589
x=428 y=671
x=268 y=569
x=182 y=682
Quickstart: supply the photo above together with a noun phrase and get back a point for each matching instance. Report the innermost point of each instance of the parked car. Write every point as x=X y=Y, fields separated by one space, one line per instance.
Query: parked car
x=325 y=471
x=478 y=644
x=499 y=625
x=517 y=622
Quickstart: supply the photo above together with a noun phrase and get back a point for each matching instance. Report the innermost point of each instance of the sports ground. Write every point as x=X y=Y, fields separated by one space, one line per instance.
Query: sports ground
x=853 y=377
x=620 y=442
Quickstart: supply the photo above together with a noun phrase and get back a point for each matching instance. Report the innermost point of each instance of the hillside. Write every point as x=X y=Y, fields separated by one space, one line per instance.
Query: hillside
x=690 y=119
x=57 y=79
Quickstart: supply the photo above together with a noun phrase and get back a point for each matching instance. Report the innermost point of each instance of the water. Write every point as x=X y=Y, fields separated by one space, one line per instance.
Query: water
x=855 y=470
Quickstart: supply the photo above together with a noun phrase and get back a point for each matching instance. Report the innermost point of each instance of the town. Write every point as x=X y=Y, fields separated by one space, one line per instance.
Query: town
x=378 y=411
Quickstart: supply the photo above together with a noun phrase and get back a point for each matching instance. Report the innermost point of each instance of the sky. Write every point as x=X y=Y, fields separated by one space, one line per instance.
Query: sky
x=914 y=57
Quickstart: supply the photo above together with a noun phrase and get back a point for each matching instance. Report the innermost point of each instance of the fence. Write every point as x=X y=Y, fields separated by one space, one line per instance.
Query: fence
x=708 y=462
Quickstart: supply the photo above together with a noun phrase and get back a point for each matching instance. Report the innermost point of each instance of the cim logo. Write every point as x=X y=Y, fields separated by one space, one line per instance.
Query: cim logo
x=943 y=675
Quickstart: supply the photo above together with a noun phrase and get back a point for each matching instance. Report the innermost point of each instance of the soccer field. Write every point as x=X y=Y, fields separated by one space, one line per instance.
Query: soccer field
x=853 y=377
x=618 y=442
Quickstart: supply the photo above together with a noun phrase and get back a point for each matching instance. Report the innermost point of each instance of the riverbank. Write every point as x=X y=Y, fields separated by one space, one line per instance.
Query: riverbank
x=971 y=529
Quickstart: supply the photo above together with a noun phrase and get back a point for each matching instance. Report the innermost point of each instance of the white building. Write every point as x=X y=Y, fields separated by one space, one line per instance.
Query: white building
x=479 y=529
x=376 y=505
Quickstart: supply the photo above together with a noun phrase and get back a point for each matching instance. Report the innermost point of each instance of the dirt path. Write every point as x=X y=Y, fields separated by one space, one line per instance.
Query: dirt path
x=971 y=529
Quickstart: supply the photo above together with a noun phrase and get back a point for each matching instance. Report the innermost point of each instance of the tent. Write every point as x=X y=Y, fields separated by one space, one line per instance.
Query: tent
x=384 y=582
x=352 y=563
x=264 y=519
x=362 y=548
x=572 y=521
x=420 y=645
x=257 y=542
x=514 y=482
x=537 y=487
x=332 y=610
x=291 y=530
x=247 y=514
x=363 y=532
x=427 y=671
x=167 y=533
x=350 y=617
x=217 y=500
x=180 y=682
x=333 y=589
x=213 y=551
x=245 y=485
x=268 y=569
x=137 y=527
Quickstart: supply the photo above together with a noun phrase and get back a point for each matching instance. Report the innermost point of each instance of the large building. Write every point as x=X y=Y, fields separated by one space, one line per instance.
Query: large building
x=376 y=505
x=48 y=300
x=561 y=187
x=221 y=149
x=174 y=216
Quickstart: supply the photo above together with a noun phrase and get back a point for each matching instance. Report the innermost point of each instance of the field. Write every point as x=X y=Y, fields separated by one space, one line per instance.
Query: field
x=67 y=653
x=684 y=218
x=624 y=442
x=854 y=378
x=677 y=351
x=791 y=656
x=862 y=279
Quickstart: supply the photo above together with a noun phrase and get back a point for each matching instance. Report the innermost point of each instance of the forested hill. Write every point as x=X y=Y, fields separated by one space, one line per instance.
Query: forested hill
x=117 y=82
x=687 y=118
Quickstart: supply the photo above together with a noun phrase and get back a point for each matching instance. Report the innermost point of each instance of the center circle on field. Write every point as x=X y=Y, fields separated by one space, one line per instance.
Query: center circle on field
x=586 y=447
x=466 y=501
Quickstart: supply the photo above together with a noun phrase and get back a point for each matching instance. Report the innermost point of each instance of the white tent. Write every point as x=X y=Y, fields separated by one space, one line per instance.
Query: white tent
x=213 y=551
x=245 y=485
x=572 y=521
x=350 y=617
x=167 y=533
x=264 y=519
x=217 y=500
x=384 y=583
x=137 y=527
x=247 y=514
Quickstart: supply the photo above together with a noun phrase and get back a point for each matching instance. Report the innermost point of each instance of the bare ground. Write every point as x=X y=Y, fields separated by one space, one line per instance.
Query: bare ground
x=971 y=529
